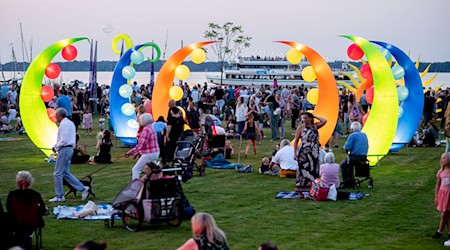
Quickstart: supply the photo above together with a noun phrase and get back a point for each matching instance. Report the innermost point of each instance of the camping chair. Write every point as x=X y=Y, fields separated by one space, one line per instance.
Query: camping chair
x=26 y=219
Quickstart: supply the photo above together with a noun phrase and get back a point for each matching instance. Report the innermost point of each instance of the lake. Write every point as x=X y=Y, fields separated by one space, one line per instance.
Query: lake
x=194 y=78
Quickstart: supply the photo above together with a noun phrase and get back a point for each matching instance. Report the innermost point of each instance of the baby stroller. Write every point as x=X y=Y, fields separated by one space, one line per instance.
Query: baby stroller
x=151 y=201
x=187 y=149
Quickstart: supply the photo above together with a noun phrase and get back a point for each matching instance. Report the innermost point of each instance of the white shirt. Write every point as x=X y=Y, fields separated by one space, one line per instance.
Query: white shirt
x=66 y=134
x=12 y=115
x=241 y=111
x=194 y=95
x=285 y=157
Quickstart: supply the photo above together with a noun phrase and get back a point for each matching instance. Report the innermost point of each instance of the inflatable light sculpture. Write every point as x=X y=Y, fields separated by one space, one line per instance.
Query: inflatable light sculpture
x=413 y=101
x=164 y=81
x=36 y=121
x=328 y=99
x=123 y=116
x=381 y=124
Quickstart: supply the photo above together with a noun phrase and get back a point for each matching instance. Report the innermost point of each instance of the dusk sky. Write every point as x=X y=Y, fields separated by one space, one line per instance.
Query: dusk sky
x=420 y=27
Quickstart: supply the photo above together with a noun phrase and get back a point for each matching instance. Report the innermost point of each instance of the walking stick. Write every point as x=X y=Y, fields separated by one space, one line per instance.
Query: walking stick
x=239 y=153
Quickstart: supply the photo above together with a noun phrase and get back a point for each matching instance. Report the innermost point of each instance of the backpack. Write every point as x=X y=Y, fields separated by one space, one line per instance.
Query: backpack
x=355 y=111
x=319 y=190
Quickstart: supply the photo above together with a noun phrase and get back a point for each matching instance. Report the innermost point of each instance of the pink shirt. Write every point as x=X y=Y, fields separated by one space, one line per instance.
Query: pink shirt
x=147 y=143
x=329 y=173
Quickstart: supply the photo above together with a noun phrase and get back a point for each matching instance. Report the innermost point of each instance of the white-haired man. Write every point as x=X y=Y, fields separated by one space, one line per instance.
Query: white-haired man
x=65 y=144
x=147 y=147
x=285 y=158
x=356 y=146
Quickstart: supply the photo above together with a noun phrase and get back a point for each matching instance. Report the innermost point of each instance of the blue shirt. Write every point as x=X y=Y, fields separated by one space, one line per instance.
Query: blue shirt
x=159 y=127
x=357 y=144
x=65 y=102
x=230 y=92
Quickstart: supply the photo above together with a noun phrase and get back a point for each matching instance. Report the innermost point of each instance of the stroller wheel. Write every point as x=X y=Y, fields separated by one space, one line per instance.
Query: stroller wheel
x=201 y=170
x=370 y=184
x=112 y=220
x=131 y=218
x=176 y=214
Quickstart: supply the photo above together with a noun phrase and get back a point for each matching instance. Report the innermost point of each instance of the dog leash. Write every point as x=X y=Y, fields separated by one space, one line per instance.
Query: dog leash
x=107 y=165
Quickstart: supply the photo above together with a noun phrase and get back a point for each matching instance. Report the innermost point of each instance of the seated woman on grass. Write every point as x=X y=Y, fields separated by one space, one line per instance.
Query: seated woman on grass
x=329 y=171
x=104 y=145
x=79 y=153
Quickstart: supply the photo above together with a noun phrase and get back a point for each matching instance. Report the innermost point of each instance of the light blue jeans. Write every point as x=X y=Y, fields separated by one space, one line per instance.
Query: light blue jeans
x=447 y=144
x=62 y=171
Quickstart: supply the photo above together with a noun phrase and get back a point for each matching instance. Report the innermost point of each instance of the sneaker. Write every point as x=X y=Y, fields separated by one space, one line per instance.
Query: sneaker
x=437 y=235
x=57 y=199
x=447 y=243
x=85 y=193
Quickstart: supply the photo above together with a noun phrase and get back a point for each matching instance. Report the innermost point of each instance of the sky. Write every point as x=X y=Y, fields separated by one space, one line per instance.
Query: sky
x=417 y=26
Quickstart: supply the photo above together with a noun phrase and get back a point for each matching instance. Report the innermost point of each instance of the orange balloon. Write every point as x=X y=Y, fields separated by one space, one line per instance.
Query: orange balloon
x=365 y=86
x=51 y=114
x=160 y=96
x=328 y=102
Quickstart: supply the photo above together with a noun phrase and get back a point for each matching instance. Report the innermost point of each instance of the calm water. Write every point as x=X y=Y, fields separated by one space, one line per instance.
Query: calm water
x=194 y=78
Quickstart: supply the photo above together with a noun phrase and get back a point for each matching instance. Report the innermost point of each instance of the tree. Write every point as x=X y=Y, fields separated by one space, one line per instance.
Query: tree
x=231 y=42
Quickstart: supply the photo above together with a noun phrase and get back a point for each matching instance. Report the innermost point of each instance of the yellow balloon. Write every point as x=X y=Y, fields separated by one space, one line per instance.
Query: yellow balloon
x=182 y=72
x=186 y=127
x=182 y=112
x=176 y=93
x=438 y=110
x=309 y=74
x=198 y=56
x=125 y=38
x=313 y=96
x=294 y=56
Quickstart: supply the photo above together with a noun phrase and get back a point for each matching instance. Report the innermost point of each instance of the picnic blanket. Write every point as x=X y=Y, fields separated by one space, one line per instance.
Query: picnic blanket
x=353 y=196
x=290 y=195
x=103 y=213
x=10 y=139
x=221 y=163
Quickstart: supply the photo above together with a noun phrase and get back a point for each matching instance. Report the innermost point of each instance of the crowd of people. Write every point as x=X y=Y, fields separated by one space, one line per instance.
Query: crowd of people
x=242 y=112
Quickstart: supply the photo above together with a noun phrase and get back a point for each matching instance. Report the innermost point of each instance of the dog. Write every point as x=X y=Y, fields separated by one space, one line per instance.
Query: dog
x=86 y=181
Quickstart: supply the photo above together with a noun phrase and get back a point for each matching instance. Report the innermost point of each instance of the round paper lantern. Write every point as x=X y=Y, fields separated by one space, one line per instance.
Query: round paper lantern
x=294 y=56
x=176 y=93
x=128 y=72
x=386 y=53
x=137 y=57
x=148 y=107
x=198 y=56
x=51 y=114
x=47 y=93
x=52 y=71
x=69 y=53
x=398 y=72
x=125 y=91
x=183 y=112
x=402 y=92
x=127 y=109
x=182 y=72
x=108 y=28
x=132 y=123
x=366 y=72
x=369 y=95
x=309 y=74
x=400 y=112
x=313 y=96
x=355 y=52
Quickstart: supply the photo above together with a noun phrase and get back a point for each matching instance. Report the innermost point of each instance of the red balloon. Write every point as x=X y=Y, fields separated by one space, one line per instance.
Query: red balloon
x=51 y=114
x=47 y=93
x=365 y=117
x=369 y=95
x=355 y=52
x=52 y=71
x=69 y=53
x=148 y=107
x=366 y=72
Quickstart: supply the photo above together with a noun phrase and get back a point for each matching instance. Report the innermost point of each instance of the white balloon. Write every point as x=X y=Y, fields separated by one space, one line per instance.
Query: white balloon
x=132 y=123
x=127 y=109
x=402 y=92
x=108 y=28
x=137 y=57
x=400 y=112
x=125 y=91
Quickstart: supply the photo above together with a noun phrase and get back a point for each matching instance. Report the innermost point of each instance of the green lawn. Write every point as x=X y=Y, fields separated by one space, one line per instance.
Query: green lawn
x=399 y=213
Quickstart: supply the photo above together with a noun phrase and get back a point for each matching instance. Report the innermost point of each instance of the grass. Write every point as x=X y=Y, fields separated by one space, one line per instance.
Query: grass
x=399 y=213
